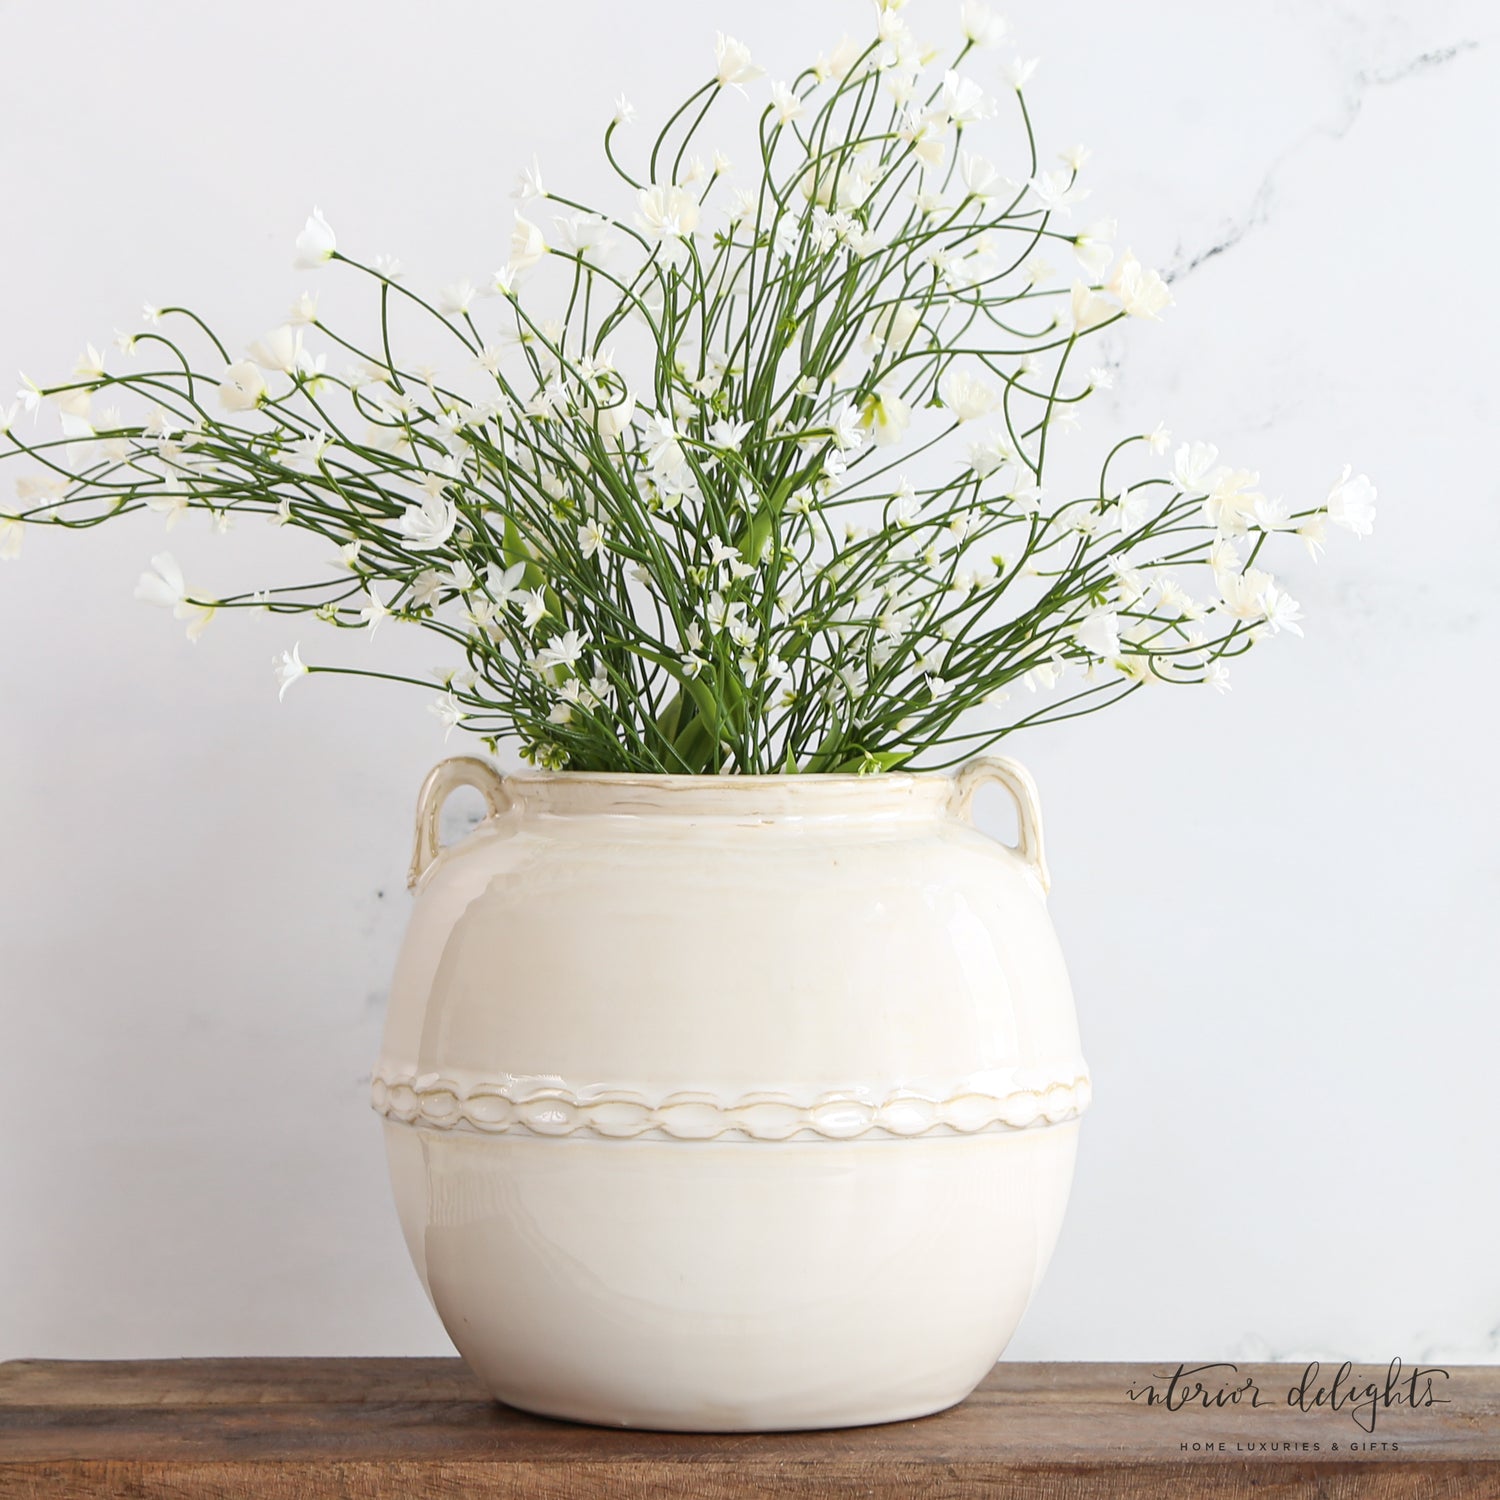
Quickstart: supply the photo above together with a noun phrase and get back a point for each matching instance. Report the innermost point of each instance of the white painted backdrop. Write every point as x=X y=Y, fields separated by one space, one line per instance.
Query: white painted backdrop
x=1279 y=905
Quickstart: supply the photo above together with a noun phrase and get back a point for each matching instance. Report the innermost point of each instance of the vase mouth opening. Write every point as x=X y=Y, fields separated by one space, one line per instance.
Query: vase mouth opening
x=915 y=794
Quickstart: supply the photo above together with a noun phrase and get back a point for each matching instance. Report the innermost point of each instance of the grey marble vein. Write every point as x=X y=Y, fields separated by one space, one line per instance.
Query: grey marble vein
x=1362 y=83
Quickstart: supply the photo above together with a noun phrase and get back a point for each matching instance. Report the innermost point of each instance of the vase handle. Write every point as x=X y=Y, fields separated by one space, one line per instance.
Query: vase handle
x=445 y=778
x=1016 y=779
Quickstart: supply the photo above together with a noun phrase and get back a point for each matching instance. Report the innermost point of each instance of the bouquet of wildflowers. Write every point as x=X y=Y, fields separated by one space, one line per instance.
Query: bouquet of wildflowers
x=748 y=473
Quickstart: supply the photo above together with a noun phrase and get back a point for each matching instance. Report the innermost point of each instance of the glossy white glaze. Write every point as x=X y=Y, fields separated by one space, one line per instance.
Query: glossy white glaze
x=730 y=1103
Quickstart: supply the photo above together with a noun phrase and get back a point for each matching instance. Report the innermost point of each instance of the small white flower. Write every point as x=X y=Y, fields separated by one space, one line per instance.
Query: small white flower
x=624 y=111
x=906 y=508
x=886 y=415
x=979 y=26
x=564 y=650
x=374 y=611
x=1314 y=534
x=845 y=423
x=1158 y=440
x=1099 y=634
x=966 y=397
x=527 y=245
x=1037 y=271
x=1133 y=508
x=1089 y=309
x=584 y=234
x=893 y=326
x=613 y=418
x=669 y=214
x=900 y=80
x=728 y=557
x=429 y=524
x=663 y=447
x=29 y=395
x=480 y=614
x=1058 y=191
x=1244 y=595
x=90 y=364
x=1172 y=599
x=455 y=300
x=504 y=586
x=726 y=434
x=1224 y=557
x=171 y=503
x=923 y=132
x=280 y=350
x=1018 y=71
x=304 y=311
x=288 y=667
x=1130 y=582
x=1273 y=515
x=786 y=104
x=307 y=453
x=1193 y=466
x=529 y=183
x=426 y=588
x=165 y=588
x=734 y=65
x=1142 y=293
x=980 y=178
x=1094 y=247
x=316 y=244
x=991 y=454
x=592 y=538
x=1044 y=675
x=448 y=712
x=243 y=387
x=1029 y=498
x=74 y=406
x=838 y=63
x=1351 y=502
x=12 y=533
x=532 y=604
x=1230 y=505
x=1282 y=612
x=1216 y=676
x=742 y=205
x=963 y=101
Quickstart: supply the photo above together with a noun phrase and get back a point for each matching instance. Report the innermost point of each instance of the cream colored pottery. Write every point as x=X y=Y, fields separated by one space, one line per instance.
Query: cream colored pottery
x=730 y=1103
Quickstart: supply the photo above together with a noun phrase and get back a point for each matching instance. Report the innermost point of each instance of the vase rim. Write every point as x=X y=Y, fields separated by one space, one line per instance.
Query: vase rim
x=752 y=798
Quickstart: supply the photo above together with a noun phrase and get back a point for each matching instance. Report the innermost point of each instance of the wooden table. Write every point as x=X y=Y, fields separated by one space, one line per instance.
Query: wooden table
x=306 y=1429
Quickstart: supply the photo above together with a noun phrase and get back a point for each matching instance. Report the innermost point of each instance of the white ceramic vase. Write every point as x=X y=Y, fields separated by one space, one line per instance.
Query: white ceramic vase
x=730 y=1103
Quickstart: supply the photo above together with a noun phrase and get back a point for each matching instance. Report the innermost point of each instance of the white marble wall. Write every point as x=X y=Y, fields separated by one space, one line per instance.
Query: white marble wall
x=1279 y=905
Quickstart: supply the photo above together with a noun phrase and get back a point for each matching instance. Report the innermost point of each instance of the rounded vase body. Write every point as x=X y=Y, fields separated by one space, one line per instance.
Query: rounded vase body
x=730 y=1103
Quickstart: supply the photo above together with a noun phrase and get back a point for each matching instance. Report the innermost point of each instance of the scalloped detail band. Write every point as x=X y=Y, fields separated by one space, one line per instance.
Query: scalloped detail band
x=542 y=1107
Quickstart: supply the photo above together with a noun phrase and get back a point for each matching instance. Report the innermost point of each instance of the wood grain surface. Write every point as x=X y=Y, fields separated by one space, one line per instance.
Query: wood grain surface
x=306 y=1429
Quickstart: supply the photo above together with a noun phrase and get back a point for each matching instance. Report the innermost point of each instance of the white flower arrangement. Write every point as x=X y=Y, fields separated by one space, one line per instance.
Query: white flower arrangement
x=743 y=478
